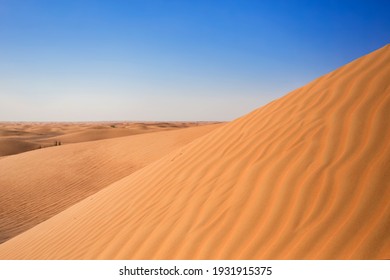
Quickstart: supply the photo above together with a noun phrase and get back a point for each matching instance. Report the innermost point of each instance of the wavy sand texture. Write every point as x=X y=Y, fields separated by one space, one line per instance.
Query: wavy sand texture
x=39 y=184
x=304 y=177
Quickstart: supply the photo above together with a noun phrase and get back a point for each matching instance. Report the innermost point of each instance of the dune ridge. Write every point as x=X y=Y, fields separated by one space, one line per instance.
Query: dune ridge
x=38 y=184
x=304 y=177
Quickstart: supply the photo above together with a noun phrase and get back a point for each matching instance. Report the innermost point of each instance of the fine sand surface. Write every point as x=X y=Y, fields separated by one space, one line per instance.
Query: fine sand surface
x=19 y=137
x=39 y=184
x=304 y=177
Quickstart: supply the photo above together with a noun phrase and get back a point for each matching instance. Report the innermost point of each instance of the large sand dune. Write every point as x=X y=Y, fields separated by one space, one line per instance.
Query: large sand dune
x=41 y=183
x=304 y=177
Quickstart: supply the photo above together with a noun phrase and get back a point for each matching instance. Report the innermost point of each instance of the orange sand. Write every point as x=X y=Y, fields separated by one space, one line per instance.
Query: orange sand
x=19 y=137
x=304 y=177
x=41 y=183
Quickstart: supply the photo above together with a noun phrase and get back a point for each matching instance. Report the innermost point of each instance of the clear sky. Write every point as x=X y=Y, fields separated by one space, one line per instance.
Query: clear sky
x=80 y=60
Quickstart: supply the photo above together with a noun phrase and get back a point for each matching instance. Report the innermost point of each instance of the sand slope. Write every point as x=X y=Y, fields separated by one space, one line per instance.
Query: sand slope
x=39 y=184
x=118 y=130
x=19 y=137
x=15 y=146
x=304 y=177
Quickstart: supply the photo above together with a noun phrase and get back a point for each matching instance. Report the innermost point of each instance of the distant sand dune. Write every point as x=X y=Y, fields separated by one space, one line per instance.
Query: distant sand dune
x=104 y=132
x=39 y=184
x=93 y=134
x=13 y=146
x=20 y=137
x=304 y=177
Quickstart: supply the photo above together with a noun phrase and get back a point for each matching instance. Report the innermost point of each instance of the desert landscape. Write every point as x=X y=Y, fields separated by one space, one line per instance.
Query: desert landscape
x=19 y=137
x=38 y=184
x=306 y=176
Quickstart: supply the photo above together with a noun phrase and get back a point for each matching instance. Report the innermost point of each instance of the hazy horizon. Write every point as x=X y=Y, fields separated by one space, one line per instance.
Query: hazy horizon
x=172 y=60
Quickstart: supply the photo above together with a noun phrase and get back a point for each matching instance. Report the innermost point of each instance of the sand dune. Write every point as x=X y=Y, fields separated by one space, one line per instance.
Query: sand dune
x=93 y=134
x=117 y=130
x=304 y=177
x=39 y=184
x=14 y=146
x=19 y=137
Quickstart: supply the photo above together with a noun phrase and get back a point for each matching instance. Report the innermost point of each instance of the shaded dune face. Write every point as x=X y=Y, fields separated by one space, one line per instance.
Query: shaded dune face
x=12 y=146
x=304 y=177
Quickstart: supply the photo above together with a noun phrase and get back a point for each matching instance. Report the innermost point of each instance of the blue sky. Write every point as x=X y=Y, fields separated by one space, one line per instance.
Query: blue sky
x=172 y=60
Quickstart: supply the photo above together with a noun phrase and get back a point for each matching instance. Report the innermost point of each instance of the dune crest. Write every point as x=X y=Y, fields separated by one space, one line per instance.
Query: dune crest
x=304 y=177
